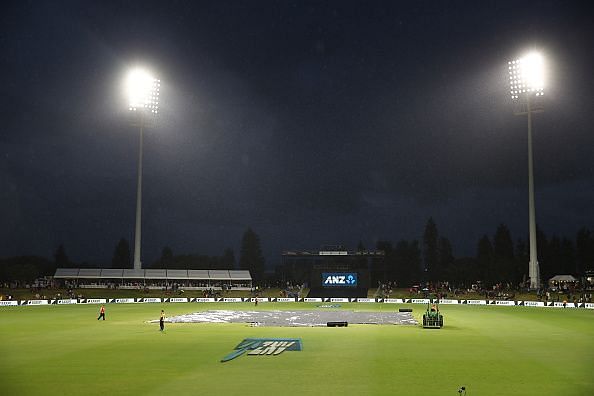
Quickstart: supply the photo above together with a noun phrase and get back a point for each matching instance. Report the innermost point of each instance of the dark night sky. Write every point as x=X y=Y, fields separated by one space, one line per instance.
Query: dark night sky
x=312 y=122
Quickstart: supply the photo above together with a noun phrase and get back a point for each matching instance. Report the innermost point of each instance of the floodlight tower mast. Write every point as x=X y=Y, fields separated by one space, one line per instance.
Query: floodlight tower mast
x=143 y=95
x=526 y=77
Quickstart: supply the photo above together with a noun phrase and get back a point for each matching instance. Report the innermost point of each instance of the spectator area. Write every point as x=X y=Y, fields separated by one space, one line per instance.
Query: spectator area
x=154 y=278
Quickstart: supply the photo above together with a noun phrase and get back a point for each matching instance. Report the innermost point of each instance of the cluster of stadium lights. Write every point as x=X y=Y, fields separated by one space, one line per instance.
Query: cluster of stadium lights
x=526 y=76
x=143 y=91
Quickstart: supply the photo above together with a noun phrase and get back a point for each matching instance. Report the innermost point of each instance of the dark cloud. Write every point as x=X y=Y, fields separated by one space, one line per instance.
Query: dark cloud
x=314 y=123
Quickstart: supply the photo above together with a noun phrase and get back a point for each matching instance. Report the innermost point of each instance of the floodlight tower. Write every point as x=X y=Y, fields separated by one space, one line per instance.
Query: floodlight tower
x=526 y=77
x=143 y=99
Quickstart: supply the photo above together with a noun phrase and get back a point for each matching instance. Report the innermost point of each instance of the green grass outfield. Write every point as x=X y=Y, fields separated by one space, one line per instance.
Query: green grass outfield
x=64 y=350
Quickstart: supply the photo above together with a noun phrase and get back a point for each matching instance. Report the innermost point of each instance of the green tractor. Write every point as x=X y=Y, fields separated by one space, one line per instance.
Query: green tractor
x=432 y=319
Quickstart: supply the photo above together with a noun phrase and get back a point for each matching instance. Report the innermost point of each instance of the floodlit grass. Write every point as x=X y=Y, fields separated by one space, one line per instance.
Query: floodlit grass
x=64 y=350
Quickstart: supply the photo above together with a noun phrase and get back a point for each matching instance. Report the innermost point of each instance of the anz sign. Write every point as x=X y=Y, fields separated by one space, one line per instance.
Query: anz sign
x=339 y=279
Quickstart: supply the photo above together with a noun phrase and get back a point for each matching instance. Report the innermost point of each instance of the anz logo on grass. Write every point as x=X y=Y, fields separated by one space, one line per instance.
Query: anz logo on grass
x=339 y=279
x=264 y=347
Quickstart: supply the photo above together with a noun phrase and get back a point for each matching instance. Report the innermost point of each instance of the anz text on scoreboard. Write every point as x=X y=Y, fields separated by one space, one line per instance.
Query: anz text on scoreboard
x=340 y=279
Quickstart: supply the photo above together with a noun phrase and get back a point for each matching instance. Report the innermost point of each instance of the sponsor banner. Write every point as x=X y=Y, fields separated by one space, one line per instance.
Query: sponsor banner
x=36 y=302
x=94 y=301
x=532 y=303
x=260 y=299
x=444 y=301
x=340 y=300
x=420 y=301
x=500 y=302
x=203 y=300
x=67 y=301
x=364 y=300
x=178 y=299
x=150 y=300
x=122 y=300
x=476 y=302
x=285 y=299
x=589 y=306
x=339 y=279
x=307 y=299
x=231 y=299
x=8 y=303
x=563 y=305
x=393 y=301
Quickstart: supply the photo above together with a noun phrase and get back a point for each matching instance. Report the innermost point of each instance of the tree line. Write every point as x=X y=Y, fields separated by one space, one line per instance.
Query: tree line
x=499 y=259
x=28 y=268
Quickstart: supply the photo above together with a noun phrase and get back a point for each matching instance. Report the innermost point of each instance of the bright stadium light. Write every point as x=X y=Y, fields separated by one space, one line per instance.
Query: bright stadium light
x=527 y=82
x=142 y=90
x=526 y=76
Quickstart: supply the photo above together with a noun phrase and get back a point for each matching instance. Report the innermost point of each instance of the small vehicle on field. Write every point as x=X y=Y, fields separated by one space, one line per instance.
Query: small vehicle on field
x=432 y=319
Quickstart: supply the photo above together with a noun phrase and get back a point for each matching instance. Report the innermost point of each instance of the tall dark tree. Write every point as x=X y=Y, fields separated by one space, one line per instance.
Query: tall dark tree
x=60 y=258
x=446 y=257
x=556 y=260
x=25 y=268
x=543 y=255
x=503 y=245
x=121 y=255
x=407 y=258
x=503 y=254
x=430 y=250
x=463 y=272
x=485 y=261
x=384 y=270
x=584 y=247
x=251 y=258
x=521 y=259
x=568 y=263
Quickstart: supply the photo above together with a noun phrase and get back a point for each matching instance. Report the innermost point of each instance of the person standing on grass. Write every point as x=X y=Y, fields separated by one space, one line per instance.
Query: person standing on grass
x=101 y=312
x=162 y=320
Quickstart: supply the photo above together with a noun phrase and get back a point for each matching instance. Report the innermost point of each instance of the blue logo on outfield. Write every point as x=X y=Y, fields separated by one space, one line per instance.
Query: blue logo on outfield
x=264 y=346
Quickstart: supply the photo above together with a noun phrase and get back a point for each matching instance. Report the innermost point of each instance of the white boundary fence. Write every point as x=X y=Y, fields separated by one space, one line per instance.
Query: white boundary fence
x=556 y=304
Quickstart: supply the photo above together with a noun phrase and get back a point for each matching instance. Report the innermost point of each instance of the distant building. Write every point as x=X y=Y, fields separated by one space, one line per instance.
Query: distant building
x=301 y=266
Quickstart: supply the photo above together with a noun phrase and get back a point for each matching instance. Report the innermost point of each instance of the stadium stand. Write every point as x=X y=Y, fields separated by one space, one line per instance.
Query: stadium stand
x=154 y=278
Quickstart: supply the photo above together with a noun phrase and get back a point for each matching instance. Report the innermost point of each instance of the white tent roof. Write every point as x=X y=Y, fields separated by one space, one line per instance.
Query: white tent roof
x=563 y=278
x=66 y=273
x=133 y=274
x=240 y=275
x=111 y=273
x=198 y=274
x=155 y=274
x=218 y=274
x=130 y=273
x=177 y=274
x=89 y=273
